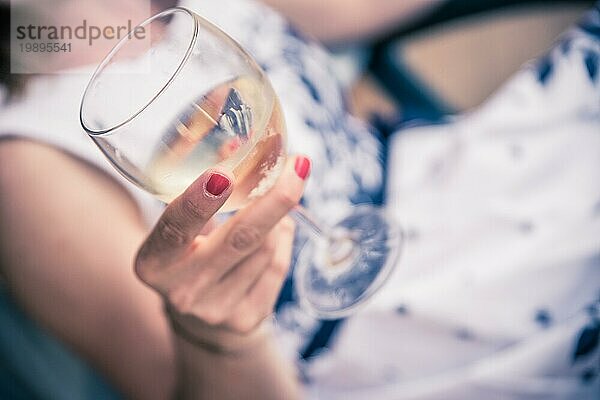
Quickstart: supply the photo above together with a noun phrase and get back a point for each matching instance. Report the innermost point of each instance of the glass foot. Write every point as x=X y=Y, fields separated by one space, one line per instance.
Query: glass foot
x=337 y=273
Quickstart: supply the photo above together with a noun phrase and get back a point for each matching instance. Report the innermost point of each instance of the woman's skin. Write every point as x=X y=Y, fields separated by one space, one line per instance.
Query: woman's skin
x=337 y=21
x=71 y=237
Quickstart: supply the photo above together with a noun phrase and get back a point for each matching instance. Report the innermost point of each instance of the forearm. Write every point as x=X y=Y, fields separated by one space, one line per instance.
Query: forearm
x=70 y=269
x=254 y=371
x=340 y=20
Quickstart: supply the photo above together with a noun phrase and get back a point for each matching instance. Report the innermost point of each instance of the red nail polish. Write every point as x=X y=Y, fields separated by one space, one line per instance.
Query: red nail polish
x=217 y=184
x=302 y=167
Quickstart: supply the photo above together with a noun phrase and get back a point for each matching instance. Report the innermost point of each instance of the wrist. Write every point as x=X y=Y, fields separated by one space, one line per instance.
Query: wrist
x=192 y=333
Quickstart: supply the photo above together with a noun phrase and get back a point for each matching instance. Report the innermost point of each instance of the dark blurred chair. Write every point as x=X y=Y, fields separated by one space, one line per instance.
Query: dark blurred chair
x=451 y=59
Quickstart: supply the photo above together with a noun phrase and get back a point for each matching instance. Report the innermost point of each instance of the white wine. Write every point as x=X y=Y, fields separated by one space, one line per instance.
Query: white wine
x=239 y=126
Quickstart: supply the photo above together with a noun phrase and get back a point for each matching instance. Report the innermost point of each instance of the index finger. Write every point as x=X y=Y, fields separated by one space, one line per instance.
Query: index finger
x=184 y=217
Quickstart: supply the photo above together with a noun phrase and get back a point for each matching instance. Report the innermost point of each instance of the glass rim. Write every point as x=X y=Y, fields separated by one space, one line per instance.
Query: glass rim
x=117 y=47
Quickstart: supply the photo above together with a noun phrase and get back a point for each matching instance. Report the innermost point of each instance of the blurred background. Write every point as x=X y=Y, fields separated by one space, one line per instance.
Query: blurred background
x=450 y=58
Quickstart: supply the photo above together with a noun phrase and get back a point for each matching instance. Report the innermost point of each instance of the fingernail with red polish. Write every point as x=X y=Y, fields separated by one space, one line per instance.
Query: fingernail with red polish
x=217 y=184
x=302 y=167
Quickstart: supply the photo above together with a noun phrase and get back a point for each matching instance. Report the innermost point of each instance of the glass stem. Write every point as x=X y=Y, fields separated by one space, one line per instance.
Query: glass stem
x=304 y=220
x=342 y=250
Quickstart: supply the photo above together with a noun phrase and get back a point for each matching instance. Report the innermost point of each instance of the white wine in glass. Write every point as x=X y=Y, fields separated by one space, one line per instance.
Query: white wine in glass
x=189 y=99
x=218 y=129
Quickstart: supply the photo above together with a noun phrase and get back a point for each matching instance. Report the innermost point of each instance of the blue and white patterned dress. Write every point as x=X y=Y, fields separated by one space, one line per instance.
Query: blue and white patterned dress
x=498 y=290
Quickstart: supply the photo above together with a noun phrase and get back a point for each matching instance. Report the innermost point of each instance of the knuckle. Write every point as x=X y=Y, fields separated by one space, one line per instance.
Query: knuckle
x=140 y=268
x=242 y=238
x=180 y=300
x=144 y=270
x=171 y=232
x=247 y=324
x=203 y=280
x=142 y=256
x=192 y=209
x=211 y=315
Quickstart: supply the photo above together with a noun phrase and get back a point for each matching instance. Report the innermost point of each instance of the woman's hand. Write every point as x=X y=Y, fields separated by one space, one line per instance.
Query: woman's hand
x=219 y=286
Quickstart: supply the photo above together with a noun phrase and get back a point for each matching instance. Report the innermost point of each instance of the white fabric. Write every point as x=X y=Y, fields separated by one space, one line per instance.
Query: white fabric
x=48 y=112
x=501 y=268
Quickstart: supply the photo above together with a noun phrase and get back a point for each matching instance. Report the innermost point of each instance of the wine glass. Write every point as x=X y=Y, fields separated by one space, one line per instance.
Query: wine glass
x=187 y=98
